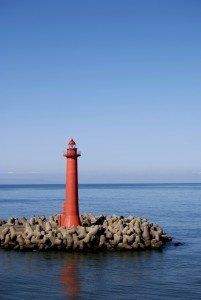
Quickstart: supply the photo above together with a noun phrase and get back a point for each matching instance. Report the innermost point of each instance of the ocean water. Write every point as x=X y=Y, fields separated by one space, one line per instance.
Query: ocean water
x=174 y=273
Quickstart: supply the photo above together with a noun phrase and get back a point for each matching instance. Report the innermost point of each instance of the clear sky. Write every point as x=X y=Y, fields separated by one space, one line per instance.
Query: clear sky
x=121 y=77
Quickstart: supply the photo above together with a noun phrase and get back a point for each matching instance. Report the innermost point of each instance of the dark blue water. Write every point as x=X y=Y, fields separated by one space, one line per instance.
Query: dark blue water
x=174 y=273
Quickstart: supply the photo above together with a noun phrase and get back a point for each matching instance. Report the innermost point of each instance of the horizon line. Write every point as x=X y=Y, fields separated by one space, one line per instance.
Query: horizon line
x=110 y=183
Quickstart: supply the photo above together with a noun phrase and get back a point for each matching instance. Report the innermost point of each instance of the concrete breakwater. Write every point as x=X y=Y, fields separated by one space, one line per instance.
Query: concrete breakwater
x=96 y=233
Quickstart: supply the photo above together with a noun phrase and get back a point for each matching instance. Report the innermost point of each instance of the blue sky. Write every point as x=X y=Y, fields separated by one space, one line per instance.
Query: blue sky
x=121 y=77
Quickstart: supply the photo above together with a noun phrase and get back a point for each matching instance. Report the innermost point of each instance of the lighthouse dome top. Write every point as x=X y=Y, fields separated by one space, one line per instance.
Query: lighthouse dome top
x=72 y=142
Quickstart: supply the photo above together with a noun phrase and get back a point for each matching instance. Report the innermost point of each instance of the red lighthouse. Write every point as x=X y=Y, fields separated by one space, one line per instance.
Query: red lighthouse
x=70 y=212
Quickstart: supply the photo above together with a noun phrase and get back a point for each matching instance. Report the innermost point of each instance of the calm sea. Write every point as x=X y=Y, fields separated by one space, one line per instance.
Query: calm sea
x=174 y=273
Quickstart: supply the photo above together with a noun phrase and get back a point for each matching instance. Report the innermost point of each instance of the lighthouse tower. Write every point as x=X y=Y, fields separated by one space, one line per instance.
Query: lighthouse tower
x=70 y=212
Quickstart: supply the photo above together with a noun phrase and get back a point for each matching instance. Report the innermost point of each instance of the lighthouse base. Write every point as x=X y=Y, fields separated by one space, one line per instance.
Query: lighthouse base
x=69 y=218
x=69 y=221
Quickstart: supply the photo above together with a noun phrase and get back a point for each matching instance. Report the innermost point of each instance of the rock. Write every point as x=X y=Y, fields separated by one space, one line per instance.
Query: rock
x=32 y=221
x=41 y=247
x=130 y=231
x=43 y=218
x=81 y=231
x=47 y=226
x=156 y=245
x=81 y=245
x=7 y=239
x=124 y=231
x=166 y=238
x=40 y=222
x=63 y=232
x=130 y=218
x=145 y=234
x=69 y=239
x=17 y=222
x=57 y=242
x=120 y=246
x=11 y=221
x=117 y=238
x=87 y=238
x=72 y=230
x=126 y=246
x=34 y=240
x=53 y=224
x=28 y=231
x=108 y=235
x=92 y=230
x=52 y=240
x=20 y=240
x=137 y=239
x=16 y=247
x=51 y=219
x=4 y=232
x=137 y=227
x=135 y=245
x=22 y=221
x=13 y=233
x=75 y=241
x=177 y=244
x=155 y=231
x=96 y=233
x=22 y=248
x=112 y=230
x=59 y=235
x=147 y=244
x=100 y=220
x=141 y=246
x=38 y=228
x=102 y=241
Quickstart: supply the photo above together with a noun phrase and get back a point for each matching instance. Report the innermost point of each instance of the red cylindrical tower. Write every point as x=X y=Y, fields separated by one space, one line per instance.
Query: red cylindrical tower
x=70 y=212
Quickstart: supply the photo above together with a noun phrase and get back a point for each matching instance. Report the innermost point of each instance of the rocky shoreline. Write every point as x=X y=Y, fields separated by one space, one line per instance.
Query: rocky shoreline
x=97 y=233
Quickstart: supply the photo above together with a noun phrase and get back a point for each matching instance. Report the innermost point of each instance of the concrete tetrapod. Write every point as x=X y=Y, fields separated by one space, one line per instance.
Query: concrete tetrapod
x=96 y=233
